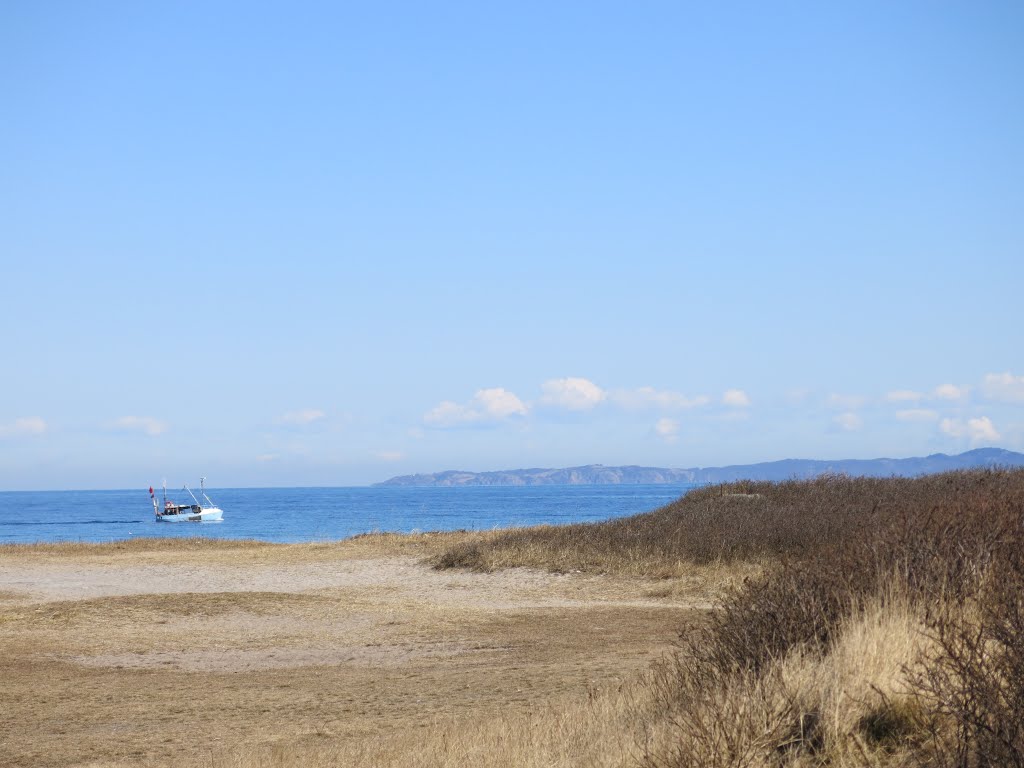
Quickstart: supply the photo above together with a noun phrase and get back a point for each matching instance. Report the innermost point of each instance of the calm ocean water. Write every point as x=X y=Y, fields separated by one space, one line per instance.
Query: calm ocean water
x=320 y=514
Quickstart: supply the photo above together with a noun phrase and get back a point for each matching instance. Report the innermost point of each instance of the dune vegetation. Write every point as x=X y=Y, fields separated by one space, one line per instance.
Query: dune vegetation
x=885 y=627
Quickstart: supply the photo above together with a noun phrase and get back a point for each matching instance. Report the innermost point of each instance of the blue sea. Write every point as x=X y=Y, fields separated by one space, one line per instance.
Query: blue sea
x=320 y=514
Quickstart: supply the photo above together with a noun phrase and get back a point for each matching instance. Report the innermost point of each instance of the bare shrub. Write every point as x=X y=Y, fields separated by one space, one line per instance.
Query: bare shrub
x=975 y=679
x=718 y=719
x=931 y=542
x=884 y=627
x=937 y=535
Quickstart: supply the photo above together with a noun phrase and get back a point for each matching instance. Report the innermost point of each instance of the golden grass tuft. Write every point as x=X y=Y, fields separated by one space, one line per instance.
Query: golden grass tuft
x=859 y=690
x=849 y=704
x=599 y=730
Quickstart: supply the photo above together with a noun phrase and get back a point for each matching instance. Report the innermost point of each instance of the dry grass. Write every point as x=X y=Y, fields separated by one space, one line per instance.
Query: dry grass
x=900 y=645
x=596 y=729
x=886 y=626
x=744 y=522
x=245 y=550
x=850 y=704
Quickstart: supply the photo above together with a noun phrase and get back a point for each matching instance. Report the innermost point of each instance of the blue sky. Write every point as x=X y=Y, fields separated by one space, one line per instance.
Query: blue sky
x=301 y=243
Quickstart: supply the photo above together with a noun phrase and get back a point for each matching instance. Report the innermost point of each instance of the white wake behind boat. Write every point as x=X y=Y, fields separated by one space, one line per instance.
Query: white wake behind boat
x=195 y=512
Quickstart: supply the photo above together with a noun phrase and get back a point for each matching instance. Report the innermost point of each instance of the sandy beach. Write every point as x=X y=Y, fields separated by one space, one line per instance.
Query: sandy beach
x=172 y=656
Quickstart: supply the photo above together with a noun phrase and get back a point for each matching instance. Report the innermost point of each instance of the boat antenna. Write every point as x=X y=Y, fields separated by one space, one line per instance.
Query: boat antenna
x=165 y=493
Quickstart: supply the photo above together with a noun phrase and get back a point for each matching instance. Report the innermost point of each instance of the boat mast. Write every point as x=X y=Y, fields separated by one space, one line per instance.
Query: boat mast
x=193 y=496
x=202 y=490
x=165 y=493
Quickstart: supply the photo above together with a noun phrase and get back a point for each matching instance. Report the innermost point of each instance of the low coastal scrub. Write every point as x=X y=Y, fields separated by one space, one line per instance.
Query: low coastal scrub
x=885 y=628
x=740 y=522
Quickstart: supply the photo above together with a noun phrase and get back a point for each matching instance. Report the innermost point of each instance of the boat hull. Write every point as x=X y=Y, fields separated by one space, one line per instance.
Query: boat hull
x=209 y=515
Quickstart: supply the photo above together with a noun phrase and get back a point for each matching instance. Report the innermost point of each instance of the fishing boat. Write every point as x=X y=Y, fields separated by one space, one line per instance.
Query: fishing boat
x=196 y=512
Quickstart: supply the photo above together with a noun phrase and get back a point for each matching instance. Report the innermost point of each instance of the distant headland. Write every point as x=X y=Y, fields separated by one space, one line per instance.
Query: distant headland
x=786 y=469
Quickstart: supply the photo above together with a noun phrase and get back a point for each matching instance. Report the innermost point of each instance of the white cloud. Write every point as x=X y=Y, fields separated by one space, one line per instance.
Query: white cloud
x=667 y=429
x=849 y=421
x=302 y=417
x=147 y=424
x=574 y=394
x=917 y=414
x=951 y=392
x=732 y=417
x=736 y=398
x=846 y=402
x=26 y=425
x=904 y=396
x=389 y=455
x=265 y=457
x=492 y=404
x=1004 y=386
x=982 y=429
x=979 y=430
x=500 y=403
x=649 y=397
x=447 y=413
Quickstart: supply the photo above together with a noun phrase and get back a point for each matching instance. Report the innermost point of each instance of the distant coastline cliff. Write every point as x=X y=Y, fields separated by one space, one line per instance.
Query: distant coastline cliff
x=598 y=474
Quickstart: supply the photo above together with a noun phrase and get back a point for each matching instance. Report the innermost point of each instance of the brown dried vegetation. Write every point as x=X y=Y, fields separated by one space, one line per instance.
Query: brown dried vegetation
x=886 y=627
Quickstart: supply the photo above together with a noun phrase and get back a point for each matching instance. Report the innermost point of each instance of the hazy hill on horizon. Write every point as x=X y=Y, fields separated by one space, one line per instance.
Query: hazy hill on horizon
x=785 y=469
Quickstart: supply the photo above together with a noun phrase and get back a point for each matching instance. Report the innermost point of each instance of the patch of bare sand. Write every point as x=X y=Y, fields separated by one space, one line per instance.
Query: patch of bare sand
x=107 y=658
x=396 y=578
x=240 y=660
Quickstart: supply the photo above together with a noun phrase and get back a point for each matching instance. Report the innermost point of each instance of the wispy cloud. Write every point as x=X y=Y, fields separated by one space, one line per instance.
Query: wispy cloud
x=488 y=405
x=917 y=414
x=846 y=402
x=667 y=429
x=302 y=417
x=979 y=430
x=904 y=396
x=849 y=421
x=389 y=455
x=24 y=426
x=951 y=392
x=798 y=396
x=656 y=399
x=146 y=424
x=736 y=398
x=1004 y=387
x=573 y=393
